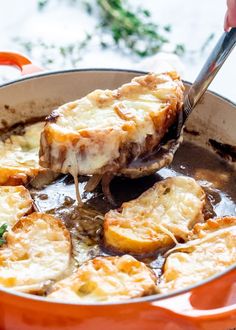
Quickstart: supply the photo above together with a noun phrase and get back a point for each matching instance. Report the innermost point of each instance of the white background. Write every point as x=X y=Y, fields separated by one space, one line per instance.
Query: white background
x=192 y=22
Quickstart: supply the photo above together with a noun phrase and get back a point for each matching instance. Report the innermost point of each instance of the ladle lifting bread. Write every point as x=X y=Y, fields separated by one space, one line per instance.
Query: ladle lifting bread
x=211 y=251
x=107 y=279
x=37 y=251
x=158 y=217
x=104 y=131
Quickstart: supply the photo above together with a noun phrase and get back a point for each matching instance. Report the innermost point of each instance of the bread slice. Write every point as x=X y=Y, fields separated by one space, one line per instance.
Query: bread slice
x=15 y=202
x=19 y=160
x=37 y=251
x=106 y=130
x=212 y=250
x=107 y=279
x=162 y=214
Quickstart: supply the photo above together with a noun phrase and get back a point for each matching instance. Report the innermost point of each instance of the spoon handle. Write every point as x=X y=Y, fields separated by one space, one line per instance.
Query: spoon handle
x=212 y=65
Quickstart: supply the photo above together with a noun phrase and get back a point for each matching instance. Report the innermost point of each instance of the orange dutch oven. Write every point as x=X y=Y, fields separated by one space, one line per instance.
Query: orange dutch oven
x=210 y=305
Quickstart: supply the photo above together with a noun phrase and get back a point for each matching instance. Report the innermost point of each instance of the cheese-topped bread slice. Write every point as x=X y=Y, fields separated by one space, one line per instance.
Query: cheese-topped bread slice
x=19 y=160
x=15 y=202
x=212 y=250
x=107 y=279
x=37 y=251
x=154 y=220
x=105 y=130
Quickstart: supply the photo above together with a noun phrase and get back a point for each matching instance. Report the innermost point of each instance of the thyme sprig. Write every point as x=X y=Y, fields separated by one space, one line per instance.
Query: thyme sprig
x=70 y=53
x=131 y=29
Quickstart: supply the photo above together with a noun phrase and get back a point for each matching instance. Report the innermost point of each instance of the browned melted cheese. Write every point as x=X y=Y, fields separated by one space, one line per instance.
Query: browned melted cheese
x=37 y=251
x=211 y=251
x=103 y=131
x=15 y=202
x=107 y=279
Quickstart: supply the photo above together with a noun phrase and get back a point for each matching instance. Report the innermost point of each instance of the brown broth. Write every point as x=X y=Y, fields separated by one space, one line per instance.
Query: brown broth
x=215 y=175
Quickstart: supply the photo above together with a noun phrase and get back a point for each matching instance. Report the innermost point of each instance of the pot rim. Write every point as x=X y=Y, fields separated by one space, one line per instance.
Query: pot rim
x=55 y=72
x=151 y=298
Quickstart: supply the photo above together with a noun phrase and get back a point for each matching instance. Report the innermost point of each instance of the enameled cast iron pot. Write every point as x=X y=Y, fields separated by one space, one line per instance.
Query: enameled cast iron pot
x=210 y=305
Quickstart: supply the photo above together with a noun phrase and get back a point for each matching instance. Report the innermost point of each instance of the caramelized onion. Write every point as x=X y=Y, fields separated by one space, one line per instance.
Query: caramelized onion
x=93 y=182
x=106 y=180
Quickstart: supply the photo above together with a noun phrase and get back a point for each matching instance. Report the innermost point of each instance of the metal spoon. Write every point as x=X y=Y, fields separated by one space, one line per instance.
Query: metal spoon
x=163 y=156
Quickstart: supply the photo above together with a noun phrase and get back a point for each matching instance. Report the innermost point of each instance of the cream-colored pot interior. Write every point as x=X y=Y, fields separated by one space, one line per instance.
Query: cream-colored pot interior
x=214 y=117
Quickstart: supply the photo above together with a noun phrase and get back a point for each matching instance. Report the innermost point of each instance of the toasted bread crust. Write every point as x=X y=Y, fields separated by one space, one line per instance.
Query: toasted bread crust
x=15 y=202
x=37 y=251
x=122 y=125
x=15 y=176
x=107 y=279
x=201 y=229
x=211 y=251
x=19 y=161
x=170 y=208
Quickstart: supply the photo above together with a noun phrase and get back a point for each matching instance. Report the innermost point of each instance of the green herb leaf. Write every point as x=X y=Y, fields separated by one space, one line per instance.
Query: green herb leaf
x=180 y=50
x=88 y=7
x=42 y=4
x=168 y=28
x=3 y=229
x=146 y=12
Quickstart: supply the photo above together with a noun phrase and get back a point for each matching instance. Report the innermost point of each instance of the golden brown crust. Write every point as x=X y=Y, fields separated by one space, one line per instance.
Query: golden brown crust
x=10 y=176
x=154 y=220
x=26 y=222
x=138 y=115
x=19 y=161
x=107 y=279
x=201 y=229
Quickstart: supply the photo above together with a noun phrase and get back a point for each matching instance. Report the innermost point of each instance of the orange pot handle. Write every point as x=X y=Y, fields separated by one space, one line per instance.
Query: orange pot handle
x=19 y=61
x=215 y=299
